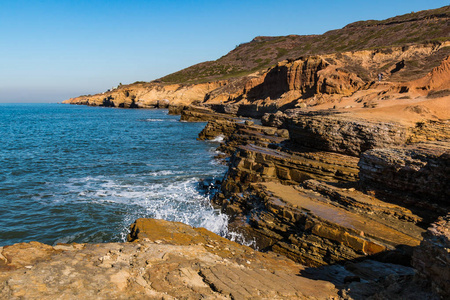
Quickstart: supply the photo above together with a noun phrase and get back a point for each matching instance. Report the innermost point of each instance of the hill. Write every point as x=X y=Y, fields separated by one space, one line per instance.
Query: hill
x=420 y=27
x=311 y=72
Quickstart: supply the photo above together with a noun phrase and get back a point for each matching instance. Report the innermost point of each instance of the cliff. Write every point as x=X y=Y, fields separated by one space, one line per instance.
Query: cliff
x=272 y=73
x=312 y=82
x=346 y=172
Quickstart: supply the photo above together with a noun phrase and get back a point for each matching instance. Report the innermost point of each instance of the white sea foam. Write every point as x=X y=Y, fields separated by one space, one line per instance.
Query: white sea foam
x=160 y=120
x=170 y=200
x=164 y=173
x=218 y=138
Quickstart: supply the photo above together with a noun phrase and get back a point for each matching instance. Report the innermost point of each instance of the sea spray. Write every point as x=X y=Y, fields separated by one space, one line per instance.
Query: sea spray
x=84 y=174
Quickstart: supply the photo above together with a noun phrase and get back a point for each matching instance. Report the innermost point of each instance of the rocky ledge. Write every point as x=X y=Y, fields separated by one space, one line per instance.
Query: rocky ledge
x=346 y=222
x=326 y=189
x=168 y=260
x=165 y=261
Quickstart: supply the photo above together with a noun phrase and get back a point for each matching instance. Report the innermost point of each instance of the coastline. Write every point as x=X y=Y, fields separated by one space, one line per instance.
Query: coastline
x=334 y=150
x=308 y=205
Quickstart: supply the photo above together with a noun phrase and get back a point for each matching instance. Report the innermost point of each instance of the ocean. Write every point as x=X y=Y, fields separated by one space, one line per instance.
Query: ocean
x=84 y=174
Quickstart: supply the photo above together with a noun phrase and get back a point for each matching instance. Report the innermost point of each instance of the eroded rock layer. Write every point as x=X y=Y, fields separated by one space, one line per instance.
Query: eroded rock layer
x=166 y=261
x=432 y=258
x=420 y=171
x=305 y=203
x=305 y=82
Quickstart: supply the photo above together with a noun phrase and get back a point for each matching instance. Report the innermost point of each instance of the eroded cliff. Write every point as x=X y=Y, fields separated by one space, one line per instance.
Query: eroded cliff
x=348 y=169
x=307 y=82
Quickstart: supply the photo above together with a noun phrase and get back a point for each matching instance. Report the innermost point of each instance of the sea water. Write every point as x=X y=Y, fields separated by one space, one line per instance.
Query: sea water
x=84 y=174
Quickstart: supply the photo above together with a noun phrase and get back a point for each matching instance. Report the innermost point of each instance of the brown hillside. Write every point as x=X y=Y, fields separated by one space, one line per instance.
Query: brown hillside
x=262 y=52
x=338 y=69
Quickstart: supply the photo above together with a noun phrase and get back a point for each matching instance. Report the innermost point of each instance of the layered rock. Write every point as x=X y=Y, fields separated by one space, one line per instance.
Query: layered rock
x=418 y=173
x=202 y=114
x=167 y=261
x=306 y=81
x=314 y=228
x=432 y=258
x=252 y=163
x=171 y=260
x=339 y=133
x=149 y=95
x=261 y=194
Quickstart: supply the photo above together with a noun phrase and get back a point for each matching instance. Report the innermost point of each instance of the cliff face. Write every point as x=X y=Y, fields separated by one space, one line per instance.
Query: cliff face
x=271 y=73
x=305 y=202
x=352 y=158
x=305 y=82
x=432 y=258
x=148 y=95
x=264 y=51
x=421 y=170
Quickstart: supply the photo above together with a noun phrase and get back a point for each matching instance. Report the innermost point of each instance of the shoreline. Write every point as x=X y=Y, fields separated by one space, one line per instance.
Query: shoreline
x=307 y=207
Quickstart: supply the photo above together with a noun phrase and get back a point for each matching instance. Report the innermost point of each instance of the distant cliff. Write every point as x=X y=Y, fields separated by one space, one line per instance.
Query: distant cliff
x=407 y=72
x=285 y=72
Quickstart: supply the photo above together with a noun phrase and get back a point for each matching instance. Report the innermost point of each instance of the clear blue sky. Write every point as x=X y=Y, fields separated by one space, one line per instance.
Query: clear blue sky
x=51 y=50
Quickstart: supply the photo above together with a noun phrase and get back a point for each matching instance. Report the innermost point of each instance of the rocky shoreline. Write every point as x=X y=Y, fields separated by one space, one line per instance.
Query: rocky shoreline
x=342 y=182
x=321 y=189
x=344 y=219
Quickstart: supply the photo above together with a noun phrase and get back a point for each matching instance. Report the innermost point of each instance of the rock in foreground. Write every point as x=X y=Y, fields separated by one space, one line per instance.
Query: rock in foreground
x=167 y=261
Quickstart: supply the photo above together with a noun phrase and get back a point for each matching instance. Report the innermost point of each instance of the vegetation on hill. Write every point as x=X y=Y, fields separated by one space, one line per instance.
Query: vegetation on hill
x=414 y=28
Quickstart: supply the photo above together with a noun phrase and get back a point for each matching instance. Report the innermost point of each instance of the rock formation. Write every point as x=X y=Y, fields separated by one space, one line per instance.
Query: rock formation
x=304 y=82
x=432 y=258
x=169 y=260
x=347 y=171
x=278 y=73
x=166 y=261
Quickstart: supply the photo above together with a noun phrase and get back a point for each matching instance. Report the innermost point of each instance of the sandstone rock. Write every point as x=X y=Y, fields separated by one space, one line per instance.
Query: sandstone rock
x=343 y=134
x=418 y=171
x=251 y=163
x=216 y=128
x=432 y=258
x=168 y=261
x=175 y=109
x=314 y=229
x=430 y=130
x=202 y=114
x=303 y=82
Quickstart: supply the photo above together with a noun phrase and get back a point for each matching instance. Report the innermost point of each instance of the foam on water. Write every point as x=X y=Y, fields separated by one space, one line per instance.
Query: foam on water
x=176 y=198
x=218 y=138
x=158 y=120
x=84 y=174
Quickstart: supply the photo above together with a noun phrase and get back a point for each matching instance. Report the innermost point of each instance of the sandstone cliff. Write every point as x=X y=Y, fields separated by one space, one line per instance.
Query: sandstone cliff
x=346 y=165
x=304 y=82
x=272 y=73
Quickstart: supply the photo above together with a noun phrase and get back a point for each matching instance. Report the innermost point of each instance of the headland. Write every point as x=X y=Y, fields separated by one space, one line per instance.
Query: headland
x=343 y=184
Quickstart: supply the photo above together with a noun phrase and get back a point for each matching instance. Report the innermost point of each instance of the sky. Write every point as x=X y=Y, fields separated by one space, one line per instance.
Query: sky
x=52 y=50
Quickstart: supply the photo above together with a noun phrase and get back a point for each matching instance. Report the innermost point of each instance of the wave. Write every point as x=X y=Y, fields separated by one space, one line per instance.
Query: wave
x=158 y=120
x=218 y=138
x=180 y=201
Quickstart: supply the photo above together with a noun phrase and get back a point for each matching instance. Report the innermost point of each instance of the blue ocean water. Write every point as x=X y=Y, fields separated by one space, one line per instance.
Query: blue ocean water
x=84 y=174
